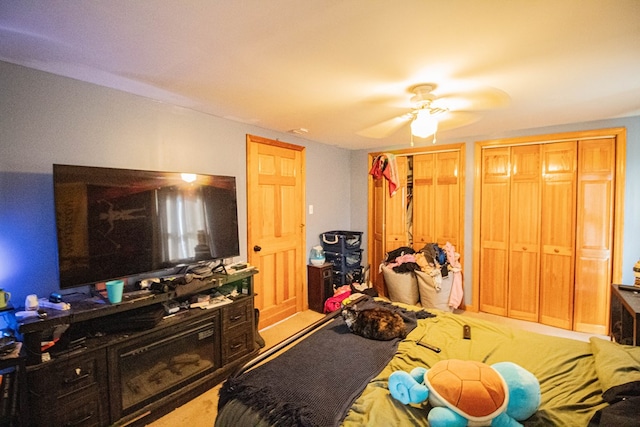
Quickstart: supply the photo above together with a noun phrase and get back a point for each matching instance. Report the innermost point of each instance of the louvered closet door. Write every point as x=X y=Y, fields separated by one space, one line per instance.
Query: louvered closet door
x=558 y=233
x=524 y=233
x=396 y=210
x=494 y=230
x=594 y=234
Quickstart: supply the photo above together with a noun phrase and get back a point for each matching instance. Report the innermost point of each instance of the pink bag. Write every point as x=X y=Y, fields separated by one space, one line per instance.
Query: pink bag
x=335 y=302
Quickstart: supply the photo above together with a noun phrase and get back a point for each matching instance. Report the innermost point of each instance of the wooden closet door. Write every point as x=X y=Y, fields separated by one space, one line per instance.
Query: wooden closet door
x=396 y=210
x=494 y=230
x=447 y=198
x=424 y=203
x=558 y=233
x=377 y=249
x=524 y=233
x=436 y=199
x=594 y=235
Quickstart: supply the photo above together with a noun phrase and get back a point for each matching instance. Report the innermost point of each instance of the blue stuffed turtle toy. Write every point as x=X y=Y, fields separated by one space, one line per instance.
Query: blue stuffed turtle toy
x=469 y=393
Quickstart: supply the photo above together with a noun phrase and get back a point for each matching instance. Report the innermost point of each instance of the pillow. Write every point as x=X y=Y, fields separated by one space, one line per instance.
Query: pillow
x=402 y=287
x=617 y=367
x=432 y=296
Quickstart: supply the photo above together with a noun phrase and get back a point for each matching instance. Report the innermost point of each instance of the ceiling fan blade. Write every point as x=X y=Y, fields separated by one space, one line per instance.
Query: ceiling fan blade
x=385 y=128
x=479 y=99
x=456 y=119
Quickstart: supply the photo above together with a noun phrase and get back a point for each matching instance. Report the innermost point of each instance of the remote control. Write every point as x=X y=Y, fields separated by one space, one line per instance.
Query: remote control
x=429 y=346
x=466 y=332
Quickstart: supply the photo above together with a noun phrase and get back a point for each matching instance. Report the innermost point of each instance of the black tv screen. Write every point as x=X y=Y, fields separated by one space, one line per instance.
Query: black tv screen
x=114 y=223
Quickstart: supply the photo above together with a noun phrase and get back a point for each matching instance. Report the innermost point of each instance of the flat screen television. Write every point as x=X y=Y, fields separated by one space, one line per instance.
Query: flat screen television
x=115 y=223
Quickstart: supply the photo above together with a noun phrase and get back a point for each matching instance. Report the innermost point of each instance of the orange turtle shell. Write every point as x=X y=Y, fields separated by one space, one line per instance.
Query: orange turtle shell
x=472 y=389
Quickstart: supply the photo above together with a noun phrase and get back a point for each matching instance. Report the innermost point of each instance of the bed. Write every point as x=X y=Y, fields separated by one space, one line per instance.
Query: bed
x=333 y=377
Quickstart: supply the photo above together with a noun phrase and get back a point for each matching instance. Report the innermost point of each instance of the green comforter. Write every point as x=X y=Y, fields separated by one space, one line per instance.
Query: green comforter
x=573 y=374
x=577 y=379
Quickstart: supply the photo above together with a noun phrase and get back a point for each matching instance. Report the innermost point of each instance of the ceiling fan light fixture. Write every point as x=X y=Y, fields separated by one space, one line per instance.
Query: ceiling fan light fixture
x=424 y=125
x=188 y=177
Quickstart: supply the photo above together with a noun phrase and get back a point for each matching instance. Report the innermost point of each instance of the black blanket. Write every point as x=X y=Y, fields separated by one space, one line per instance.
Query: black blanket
x=315 y=382
x=623 y=409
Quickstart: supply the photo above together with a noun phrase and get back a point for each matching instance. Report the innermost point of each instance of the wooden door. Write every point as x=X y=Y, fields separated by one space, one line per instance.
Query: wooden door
x=494 y=230
x=424 y=202
x=594 y=235
x=524 y=233
x=395 y=210
x=276 y=227
x=437 y=194
x=581 y=211
x=436 y=199
x=558 y=229
x=447 y=199
x=387 y=221
x=377 y=231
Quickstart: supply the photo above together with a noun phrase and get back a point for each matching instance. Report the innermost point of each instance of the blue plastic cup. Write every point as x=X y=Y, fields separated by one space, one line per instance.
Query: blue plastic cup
x=114 y=290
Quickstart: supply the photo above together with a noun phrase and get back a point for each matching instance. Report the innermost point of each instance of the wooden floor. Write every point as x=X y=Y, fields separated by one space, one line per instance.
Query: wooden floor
x=202 y=410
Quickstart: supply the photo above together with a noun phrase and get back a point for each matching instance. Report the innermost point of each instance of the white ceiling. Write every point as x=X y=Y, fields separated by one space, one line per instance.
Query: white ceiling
x=336 y=67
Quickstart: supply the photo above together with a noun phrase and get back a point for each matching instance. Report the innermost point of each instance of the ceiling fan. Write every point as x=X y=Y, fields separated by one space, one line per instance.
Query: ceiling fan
x=431 y=113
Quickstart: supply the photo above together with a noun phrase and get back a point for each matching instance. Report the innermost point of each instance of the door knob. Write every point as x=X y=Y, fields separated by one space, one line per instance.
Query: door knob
x=257 y=248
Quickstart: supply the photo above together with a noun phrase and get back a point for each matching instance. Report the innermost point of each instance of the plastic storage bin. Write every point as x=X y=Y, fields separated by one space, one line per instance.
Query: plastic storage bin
x=343 y=262
x=341 y=241
x=347 y=277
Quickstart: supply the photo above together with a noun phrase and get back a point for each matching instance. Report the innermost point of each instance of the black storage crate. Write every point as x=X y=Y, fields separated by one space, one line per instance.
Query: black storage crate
x=342 y=262
x=347 y=277
x=341 y=241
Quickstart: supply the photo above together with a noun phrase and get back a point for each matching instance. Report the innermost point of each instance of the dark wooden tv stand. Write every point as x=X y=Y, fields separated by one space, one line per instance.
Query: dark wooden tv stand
x=133 y=377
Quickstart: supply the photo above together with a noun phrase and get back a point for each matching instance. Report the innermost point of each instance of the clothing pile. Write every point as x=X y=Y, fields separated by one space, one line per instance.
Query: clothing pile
x=413 y=276
x=385 y=165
